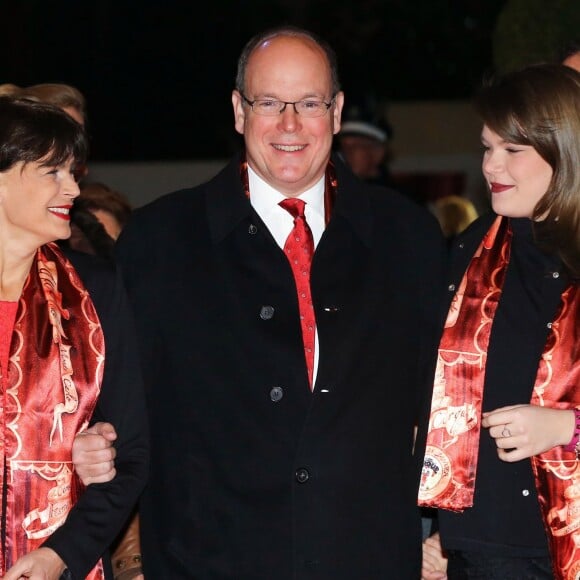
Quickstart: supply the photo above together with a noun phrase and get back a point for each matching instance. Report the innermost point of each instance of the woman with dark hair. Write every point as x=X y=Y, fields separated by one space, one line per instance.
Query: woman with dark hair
x=67 y=358
x=503 y=437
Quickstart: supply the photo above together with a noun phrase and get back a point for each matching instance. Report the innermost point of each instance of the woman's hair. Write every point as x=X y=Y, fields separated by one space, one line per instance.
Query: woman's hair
x=32 y=131
x=540 y=106
x=57 y=94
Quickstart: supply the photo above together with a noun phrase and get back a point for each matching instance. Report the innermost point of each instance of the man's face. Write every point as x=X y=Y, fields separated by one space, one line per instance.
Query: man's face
x=364 y=155
x=288 y=151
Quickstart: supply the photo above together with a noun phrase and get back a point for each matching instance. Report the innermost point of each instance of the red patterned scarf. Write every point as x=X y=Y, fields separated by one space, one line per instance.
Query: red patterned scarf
x=450 y=463
x=54 y=378
x=557 y=472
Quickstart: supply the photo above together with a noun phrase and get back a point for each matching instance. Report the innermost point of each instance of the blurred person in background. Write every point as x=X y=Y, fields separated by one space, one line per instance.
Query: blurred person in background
x=454 y=213
x=364 y=143
x=570 y=54
x=109 y=206
x=66 y=97
x=97 y=218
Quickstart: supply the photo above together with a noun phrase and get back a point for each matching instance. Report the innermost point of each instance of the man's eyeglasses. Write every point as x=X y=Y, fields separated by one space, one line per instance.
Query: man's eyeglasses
x=272 y=107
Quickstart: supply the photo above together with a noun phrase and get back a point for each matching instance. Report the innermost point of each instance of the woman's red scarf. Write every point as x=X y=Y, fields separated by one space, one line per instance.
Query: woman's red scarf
x=450 y=463
x=55 y=369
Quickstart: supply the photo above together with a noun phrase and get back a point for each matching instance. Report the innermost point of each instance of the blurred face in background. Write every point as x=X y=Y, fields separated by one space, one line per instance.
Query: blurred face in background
x=573 y=61
x=109 y=221
x=75 y=114
x=363 y=154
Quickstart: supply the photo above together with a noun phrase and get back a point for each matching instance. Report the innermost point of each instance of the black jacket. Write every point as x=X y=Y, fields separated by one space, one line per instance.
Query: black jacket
x=102 y=510
x=530 y=296
x=254 y=476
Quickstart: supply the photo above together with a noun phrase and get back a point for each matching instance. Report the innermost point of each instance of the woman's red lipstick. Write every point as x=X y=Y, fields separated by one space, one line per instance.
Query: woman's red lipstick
x=499 y=187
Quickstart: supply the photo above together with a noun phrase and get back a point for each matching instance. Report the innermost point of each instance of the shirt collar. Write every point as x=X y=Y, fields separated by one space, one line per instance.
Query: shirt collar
x=264 y=198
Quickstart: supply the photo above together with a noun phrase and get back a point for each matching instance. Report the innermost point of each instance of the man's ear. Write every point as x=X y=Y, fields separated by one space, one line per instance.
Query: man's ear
x=337 y=112
x=239 y=111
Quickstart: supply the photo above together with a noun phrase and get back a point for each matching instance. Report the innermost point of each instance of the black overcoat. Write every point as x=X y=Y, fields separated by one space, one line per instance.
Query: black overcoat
x=253 y=476
x=103 y=508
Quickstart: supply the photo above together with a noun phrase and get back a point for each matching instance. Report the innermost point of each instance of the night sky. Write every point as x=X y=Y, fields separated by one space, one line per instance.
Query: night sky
x=158 y=75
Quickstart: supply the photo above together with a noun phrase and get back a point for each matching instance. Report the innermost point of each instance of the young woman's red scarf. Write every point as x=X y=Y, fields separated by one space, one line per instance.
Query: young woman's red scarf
x=450 y=463
x=55 y=370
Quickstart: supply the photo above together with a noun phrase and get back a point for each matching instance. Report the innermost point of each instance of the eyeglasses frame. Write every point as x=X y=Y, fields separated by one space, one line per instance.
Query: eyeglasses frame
x=286 y=103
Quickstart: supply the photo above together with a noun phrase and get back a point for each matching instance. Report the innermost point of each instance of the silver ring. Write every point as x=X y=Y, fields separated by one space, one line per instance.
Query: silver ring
x=506 y=432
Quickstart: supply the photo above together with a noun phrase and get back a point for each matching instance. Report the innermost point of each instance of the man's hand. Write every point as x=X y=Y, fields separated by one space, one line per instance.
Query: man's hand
x=40 y=564
x=93 y=454
x=434 y=561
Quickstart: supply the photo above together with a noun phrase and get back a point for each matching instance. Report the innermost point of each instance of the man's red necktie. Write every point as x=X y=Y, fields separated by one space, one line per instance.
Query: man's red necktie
x=299 y=248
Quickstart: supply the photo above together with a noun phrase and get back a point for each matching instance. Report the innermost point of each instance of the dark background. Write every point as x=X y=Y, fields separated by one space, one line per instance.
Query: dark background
x=158 y=75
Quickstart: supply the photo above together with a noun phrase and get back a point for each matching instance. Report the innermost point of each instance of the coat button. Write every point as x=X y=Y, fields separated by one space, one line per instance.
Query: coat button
x=302 y=475
x=252 y=229
x=276 y=394
x=451 y=287
x=525 y=492
x=266 y=312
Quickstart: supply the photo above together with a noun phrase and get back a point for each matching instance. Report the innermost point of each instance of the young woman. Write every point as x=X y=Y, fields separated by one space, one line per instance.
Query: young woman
x=67 y=357
x=503 y=435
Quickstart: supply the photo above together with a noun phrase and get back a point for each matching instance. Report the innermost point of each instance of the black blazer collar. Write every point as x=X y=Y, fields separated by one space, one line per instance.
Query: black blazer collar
x=227 y=204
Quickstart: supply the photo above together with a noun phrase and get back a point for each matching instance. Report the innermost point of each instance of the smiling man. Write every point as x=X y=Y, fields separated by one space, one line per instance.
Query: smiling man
x=283 y=388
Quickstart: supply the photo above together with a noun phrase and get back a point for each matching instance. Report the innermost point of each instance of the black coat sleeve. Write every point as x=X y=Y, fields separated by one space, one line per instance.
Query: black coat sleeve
x=101 y=511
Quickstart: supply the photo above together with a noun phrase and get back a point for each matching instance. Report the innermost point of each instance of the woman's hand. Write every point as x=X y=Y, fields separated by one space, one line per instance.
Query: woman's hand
x=93 y=454
x=521 y=431
x=40 y=564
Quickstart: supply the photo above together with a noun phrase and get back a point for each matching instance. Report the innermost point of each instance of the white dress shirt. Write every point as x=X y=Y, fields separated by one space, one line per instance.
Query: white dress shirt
x=265 y=199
